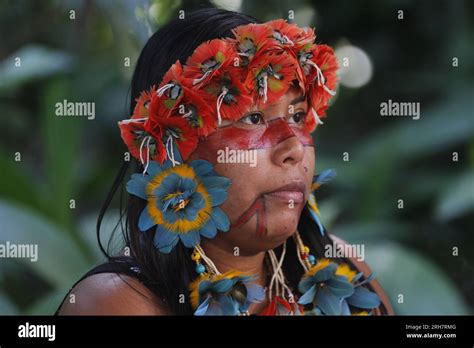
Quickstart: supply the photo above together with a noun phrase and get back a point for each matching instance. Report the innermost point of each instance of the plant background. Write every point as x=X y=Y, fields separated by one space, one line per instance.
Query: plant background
x=410 y=249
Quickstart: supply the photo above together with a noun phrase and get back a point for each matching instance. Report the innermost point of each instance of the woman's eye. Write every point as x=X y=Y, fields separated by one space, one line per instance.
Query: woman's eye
x=298 y=117
x=254 y=118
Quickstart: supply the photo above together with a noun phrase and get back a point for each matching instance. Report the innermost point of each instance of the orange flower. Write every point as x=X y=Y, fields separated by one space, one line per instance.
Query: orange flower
x=170 y=90
x=143 y=103
x=322 y=80
x=141 y=144
x=283 y=32
x=252 y=39
x=270 y=75
x=229 y=95
x=178 y=128
x=196 y=108
x=207 y=59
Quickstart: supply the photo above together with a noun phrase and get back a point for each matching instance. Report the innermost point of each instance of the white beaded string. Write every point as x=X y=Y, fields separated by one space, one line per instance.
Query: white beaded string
x=278 y=275
x=134 y=120
x=163 y=89
x=170 y=152
x=316 y=117
x=300 y=245
x=202 y=78
x=146 y=139
x=208 y=261
x=320 y=77
x=220 y=99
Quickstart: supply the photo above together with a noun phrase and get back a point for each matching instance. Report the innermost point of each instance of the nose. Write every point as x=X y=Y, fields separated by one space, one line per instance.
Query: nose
x=288 y=152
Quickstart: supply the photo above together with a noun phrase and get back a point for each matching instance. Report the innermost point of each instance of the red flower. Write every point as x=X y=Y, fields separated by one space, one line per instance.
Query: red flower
x=270 y=75
x=176 y=98
x=228 y=95
x=285 y=33
x=143 y=103
x=170 y=91
x=207 y=59
x=280 y=306
x=136 y=137
x=196 y=108
x=322 y=83
x=181 y=132
x=252 y=39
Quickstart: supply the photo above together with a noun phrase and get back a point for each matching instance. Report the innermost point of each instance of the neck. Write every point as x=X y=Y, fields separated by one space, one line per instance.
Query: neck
x=225 y=260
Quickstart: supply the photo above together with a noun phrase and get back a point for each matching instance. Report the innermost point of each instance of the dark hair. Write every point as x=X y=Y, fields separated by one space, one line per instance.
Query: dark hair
x=170 y=274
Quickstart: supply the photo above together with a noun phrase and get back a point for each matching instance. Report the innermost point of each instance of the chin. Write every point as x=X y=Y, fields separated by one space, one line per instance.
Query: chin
x=282 y=225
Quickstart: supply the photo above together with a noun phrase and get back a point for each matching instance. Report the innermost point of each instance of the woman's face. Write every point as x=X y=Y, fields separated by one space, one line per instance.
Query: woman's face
x=269 y=156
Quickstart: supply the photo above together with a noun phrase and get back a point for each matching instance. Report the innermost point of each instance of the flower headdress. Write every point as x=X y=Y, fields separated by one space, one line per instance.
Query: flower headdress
x=222 y=80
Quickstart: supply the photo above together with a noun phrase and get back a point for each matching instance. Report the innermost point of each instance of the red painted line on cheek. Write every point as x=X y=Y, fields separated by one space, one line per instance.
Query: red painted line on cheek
x=258 y=208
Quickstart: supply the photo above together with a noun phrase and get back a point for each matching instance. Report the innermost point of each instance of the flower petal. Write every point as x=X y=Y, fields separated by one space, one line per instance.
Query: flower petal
x=255 y=293
x=145 y=222
x=190 y=239
x=340 y=286
x=218 y=196
x=345 y=308
x=328 y=302
x=137 y=184
x=220 y=182
x=220 y=219
x=202 y=309
x=229 y=305
x=364 y=298
x=308 y=296
x=223 y=285
x=209 y=229
x=154 y=168
x=165 y=240
x=201 y=167
x=304 y=284
x=325 y=274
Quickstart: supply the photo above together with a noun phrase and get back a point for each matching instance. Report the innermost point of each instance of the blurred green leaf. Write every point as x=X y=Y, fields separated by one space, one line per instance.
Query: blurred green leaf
x=37 y=62
x=59 y=259
x=373 y=231
x=60 y=138
x=6 y=306
x=48 y=304
x=24 y=190
x=424 y=287
x=458 y=198
x=87 y=229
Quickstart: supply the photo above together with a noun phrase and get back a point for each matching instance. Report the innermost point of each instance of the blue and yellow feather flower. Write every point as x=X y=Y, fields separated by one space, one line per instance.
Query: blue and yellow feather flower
x=182 y=203
x=230 y=293
x=334 y=289
x=318 y=180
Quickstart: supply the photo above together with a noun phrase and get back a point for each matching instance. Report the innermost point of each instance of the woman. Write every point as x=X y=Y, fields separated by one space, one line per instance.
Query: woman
x=221 y=218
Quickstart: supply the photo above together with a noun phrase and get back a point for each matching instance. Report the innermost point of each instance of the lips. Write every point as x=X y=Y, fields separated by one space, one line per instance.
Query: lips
x=293 y=192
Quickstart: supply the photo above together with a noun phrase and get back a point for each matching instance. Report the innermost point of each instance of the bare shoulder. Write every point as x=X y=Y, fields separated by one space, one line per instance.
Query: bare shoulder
x=111 y=294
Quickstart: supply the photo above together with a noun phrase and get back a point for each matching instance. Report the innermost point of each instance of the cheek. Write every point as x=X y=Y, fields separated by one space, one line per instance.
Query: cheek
x=246 y=181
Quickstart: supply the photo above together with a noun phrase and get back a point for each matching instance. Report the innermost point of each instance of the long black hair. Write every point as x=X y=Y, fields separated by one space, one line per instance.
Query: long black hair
x=168 y=275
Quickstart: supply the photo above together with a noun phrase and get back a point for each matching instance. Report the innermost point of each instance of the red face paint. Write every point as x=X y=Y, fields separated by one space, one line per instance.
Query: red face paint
x=257 y=208
x=235 y=138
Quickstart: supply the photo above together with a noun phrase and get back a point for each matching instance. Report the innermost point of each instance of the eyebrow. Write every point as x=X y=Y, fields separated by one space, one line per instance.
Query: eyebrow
x=297 y=100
